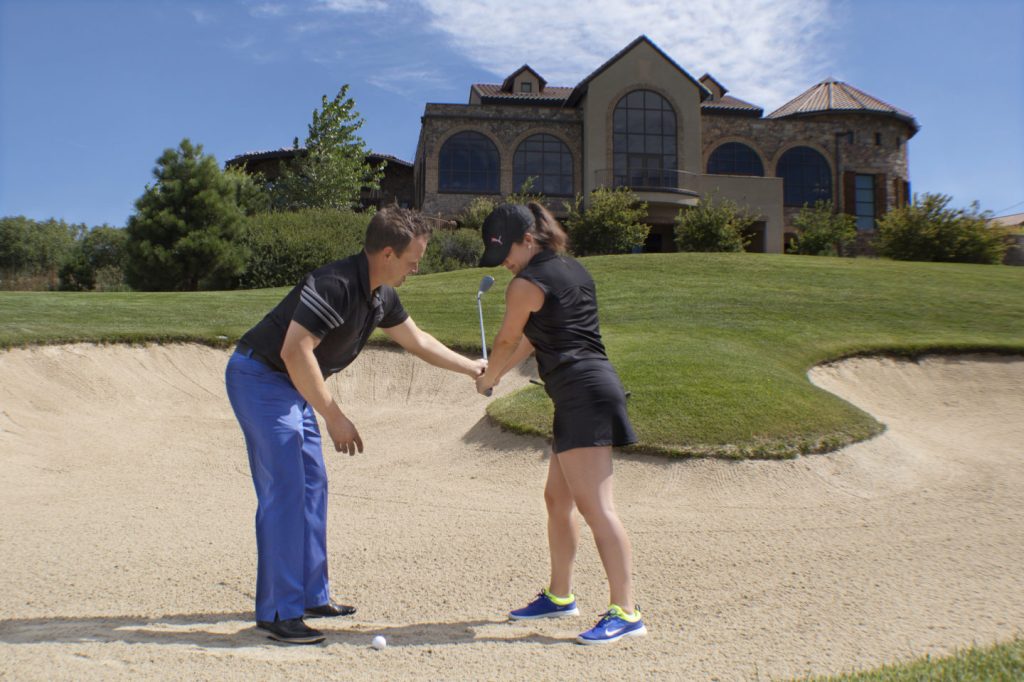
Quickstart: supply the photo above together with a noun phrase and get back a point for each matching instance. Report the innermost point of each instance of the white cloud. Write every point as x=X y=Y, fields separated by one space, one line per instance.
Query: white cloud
x=763 y=51
x=269 y=9
x=354 y=6
x=202 y=17
x=403 y=80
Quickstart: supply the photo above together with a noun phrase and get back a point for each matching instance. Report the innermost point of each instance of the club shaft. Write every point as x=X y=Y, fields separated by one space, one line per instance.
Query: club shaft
x=483 y=334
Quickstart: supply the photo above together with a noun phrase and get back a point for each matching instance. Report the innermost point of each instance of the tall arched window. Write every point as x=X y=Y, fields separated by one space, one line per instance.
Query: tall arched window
x=806 y=178
x=735 y=158
x=548 y=161
x=644 y=141
x=469 y=163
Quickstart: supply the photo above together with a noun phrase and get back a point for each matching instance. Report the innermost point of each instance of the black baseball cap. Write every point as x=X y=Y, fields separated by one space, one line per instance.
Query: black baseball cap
x=504 y=227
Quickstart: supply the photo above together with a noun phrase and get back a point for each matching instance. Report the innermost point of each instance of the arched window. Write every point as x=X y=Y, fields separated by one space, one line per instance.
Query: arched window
x=547 y=160
x=469 y=163
x=805 y=177
x=735 y=158
x=644 y=141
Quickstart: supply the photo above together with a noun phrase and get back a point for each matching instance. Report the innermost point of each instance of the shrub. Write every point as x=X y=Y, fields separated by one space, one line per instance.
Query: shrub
x=96 y=261
x=472 y=218
x=452 y=250
x=613 y=223
x=285 y=246
x=927 y=230
x=712 y=226
x=821 y=232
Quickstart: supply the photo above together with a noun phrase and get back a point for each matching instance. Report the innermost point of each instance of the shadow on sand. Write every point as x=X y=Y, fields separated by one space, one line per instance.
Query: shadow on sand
x=237 y=630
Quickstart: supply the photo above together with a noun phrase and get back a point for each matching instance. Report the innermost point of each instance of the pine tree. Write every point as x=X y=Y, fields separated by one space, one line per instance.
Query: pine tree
x=184 y=234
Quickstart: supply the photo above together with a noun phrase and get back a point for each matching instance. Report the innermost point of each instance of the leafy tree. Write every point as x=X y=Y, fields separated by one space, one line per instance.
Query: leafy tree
x=33 y=245
x=99 y=255
x=928 y=230
x=712 y=226
x=821 y=232
x=613 y=223
x=333 y=168
x=184 y=233
x=31 y=251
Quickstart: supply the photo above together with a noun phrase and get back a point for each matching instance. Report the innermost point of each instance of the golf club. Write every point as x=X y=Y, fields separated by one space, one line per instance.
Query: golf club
x=485 y=284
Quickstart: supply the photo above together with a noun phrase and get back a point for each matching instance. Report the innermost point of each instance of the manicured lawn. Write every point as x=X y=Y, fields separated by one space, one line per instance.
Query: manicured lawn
x=998 y=663
x=714 y=347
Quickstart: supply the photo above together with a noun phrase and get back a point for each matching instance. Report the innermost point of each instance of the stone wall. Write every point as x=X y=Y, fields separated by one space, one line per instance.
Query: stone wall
x=506 y=127
x=771 y=138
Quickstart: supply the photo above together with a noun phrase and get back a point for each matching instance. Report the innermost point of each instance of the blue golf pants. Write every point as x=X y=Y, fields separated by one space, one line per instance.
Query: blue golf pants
x=287 y=464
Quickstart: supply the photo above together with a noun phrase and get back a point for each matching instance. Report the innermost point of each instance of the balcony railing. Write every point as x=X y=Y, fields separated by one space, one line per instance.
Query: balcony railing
x=649 y=180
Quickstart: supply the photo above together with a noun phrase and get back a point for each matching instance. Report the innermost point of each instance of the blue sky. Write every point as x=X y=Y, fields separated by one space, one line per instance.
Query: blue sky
x=92 y=91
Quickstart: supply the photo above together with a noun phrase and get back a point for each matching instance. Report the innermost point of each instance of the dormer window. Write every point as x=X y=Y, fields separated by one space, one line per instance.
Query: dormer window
x=526 y=86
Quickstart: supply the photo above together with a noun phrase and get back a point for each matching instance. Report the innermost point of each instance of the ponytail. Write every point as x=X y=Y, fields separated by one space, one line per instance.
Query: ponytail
x=546 y=231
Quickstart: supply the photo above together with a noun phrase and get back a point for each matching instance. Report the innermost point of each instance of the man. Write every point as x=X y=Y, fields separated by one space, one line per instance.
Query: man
x=275 y=381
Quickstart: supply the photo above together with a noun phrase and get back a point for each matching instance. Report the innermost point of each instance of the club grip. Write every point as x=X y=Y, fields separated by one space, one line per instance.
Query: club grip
x=488 y=392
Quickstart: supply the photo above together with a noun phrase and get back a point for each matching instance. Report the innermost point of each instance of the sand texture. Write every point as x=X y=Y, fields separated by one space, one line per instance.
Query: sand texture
x=127 y=548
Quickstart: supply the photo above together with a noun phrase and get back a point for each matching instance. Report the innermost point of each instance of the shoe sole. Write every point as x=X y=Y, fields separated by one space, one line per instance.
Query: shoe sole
x=297 y=640
x=553 y=614
x=639 y=632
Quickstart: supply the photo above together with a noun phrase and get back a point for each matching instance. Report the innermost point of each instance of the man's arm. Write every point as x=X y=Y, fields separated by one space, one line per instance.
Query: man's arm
x=427 y=348
x=304 y=371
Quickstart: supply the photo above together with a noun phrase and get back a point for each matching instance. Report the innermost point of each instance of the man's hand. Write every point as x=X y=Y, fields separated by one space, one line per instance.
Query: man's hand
x=343 y=432
x=483 y=386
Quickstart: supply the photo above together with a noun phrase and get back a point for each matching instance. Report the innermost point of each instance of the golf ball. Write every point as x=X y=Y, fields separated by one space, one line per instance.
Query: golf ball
x=379 y=642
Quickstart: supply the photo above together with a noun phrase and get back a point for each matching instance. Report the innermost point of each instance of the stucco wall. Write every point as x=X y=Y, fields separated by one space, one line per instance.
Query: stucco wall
x=642 y=68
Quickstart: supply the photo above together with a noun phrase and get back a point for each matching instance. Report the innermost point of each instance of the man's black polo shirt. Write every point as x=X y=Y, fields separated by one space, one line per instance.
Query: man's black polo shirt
x=335 y=304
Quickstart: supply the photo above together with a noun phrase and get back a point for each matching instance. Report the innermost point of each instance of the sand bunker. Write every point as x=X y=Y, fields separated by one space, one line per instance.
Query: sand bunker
x=128 y=548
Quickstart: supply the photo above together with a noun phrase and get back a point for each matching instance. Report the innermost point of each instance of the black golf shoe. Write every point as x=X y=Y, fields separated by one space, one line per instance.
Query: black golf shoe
x=291 y=631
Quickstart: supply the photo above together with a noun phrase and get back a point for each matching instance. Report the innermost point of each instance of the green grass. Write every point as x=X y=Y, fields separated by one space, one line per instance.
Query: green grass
x=714 y=347
x=997 y=663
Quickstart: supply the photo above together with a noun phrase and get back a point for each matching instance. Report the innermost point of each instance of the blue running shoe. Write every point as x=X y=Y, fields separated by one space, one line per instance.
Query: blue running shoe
x=546 y=606
x=613 y=626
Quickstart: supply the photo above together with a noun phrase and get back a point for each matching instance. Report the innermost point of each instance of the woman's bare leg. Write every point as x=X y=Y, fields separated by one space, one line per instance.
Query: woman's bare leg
x=563 y=529
x=588 y=474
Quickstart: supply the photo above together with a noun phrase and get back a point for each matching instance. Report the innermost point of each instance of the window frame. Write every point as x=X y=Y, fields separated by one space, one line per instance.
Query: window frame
x=804 y=183
x=469 y=144
x=635 y=149
x=731 y=149
x=552 y=147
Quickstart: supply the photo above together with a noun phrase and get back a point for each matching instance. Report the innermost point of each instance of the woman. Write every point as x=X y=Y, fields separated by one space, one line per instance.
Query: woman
x=551 y=308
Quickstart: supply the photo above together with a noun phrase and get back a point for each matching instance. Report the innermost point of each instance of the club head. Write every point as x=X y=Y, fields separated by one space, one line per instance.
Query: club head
x=485 y=284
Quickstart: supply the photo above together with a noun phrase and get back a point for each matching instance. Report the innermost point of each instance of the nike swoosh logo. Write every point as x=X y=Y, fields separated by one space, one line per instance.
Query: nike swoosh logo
x=612 y=633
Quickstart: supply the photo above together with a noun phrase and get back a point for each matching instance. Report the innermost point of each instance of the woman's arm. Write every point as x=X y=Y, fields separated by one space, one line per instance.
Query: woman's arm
x=522 y=297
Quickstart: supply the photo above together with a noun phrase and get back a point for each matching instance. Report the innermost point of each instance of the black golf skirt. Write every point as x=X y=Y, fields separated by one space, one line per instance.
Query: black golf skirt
x=590 y=406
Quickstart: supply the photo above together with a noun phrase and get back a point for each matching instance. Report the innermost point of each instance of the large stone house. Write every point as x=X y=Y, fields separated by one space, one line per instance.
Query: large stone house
x=641 y=121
